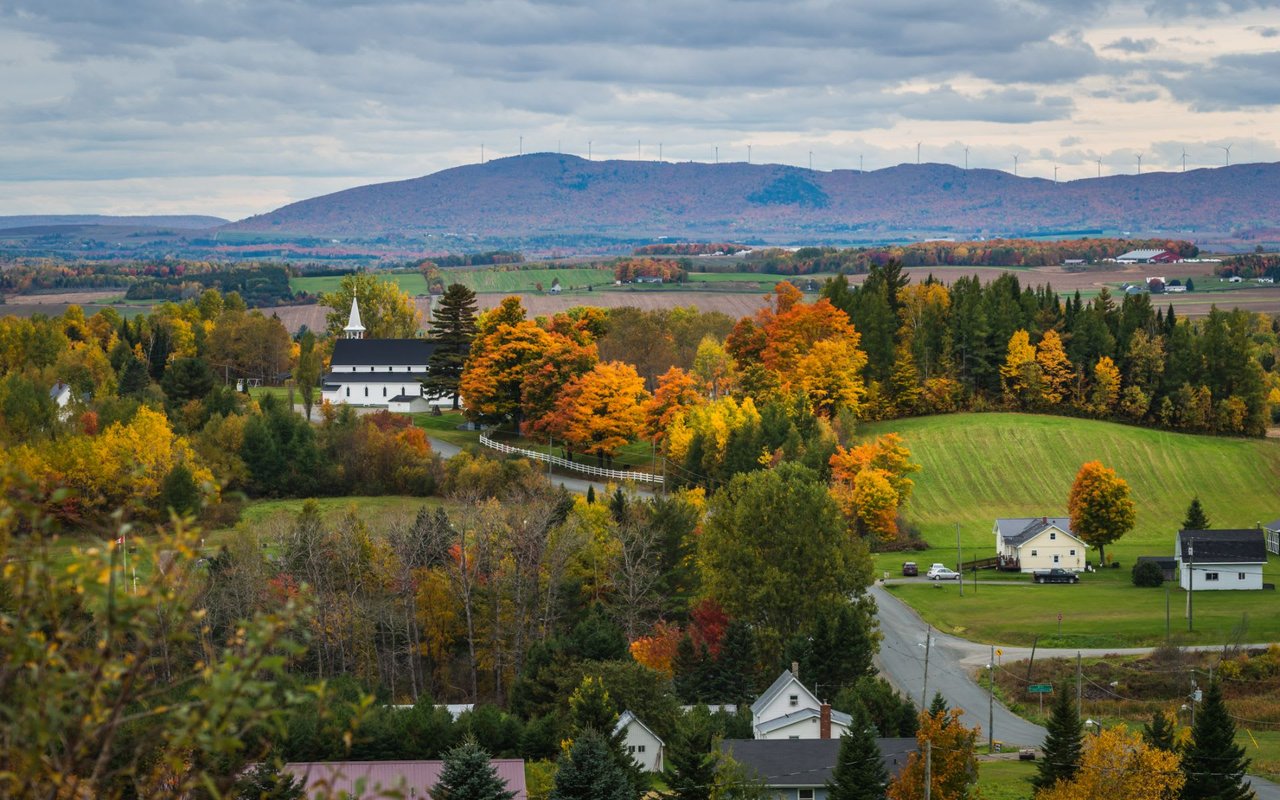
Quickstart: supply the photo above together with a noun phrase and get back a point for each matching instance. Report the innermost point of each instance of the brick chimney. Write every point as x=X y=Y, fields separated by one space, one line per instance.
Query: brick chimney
x=795 y=669
x=824 y=721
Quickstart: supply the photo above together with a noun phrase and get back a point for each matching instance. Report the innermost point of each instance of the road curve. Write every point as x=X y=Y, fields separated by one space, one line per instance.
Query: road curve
x=952 y=662
x=575 y=485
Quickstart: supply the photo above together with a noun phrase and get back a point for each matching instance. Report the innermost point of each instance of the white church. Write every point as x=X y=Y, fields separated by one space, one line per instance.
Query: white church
x=377 y=373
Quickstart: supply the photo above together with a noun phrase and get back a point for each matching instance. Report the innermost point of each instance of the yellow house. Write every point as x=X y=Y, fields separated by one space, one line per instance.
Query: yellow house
x=1027 y=544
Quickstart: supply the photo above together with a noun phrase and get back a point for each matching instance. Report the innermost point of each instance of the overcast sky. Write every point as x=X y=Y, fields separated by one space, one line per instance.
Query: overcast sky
x=235 y=107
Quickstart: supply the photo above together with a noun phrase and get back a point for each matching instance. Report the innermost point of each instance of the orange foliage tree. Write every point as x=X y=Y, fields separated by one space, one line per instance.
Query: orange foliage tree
x=677 y=392
x=870 y=483
x=954 y=766
x=601 y=410
x=1100 y=506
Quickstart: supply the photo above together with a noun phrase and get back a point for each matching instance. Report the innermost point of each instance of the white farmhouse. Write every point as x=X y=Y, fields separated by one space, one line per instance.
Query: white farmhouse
x=788 y=710
x=1220 y=560
x=643 y=745
x=1027 y=544
x=377 y=373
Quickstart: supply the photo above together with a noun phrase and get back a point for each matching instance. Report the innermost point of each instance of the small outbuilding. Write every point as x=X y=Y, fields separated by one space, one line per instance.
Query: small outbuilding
x=1168 y=565
x=1221 y=560
x=642 y=744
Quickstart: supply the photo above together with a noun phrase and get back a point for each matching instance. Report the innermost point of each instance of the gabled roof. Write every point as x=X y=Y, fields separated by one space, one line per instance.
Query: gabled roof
x=1140 y=254
x=381 y=352
x=1273 y=526
x=1241 y=546
x=626 y=718
x=806 y=762
x=775 y=689
x=799 y=715
x=336 y=379
x=58 y=388
x=1016 y=530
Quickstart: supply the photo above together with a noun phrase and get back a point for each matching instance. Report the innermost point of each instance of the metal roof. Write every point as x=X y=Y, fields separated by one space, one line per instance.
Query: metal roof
x=1016 y=530
x=837 y=718
x=1241 y=546
x=336 y=777
x=381 y=352
x=806 y=762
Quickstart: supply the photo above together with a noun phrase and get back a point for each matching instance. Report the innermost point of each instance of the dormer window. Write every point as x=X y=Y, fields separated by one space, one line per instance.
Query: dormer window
x=795 y=700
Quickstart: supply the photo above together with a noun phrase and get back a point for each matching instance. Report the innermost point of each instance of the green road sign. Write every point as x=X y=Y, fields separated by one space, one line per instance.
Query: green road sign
x=1040 y=688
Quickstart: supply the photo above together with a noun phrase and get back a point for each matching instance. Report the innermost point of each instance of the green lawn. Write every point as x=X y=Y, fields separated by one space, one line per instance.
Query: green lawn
x=1006 y=779
x=480 y=280
x=976 y=467
x=411 y=282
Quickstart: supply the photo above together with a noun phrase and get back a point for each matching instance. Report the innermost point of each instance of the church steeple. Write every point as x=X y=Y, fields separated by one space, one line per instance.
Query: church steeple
x=354 y=329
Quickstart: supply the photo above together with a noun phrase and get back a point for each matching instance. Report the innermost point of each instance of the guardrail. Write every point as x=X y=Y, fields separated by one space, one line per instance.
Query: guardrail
x=586 y=469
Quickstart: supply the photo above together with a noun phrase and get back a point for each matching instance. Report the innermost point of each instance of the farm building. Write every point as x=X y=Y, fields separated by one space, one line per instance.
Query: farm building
x=378 y=373
x=1221 y=560
x=1148 y=257
x=1027 y=544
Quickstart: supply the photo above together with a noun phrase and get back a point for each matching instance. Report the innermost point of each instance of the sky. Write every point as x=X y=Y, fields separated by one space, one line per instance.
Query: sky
x=236 y=107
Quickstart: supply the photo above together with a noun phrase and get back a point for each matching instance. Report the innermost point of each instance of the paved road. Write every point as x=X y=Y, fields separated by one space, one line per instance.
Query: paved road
x=576 y=485
x=952 y=662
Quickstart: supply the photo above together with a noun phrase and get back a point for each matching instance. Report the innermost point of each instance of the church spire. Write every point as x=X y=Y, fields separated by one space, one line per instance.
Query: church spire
x=354 y=329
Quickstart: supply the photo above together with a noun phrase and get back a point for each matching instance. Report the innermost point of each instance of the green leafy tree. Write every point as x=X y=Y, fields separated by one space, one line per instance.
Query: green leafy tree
x=775 y=553
x=733 y=781
x=860 y=773
x=1196 y=519
x=467 y=774
x=1212 y=761
x=1160 y=733
x=453 y=326
x=589 y=771
x=1100 y=506
x=1062 y=744
x=26 y=411
x=307 y=374
x=386 y=311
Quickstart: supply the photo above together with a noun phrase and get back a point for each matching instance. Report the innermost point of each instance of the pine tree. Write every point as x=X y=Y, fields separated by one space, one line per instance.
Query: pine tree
x=737 y=663
x=939 y=705
x=1062 y=744
x=452 y=328
x=1196 y=519
x=467 y=774
x=589 y=771
x=1159 y=733
x=1213 y=763
x=690 y=762
x=860 y=773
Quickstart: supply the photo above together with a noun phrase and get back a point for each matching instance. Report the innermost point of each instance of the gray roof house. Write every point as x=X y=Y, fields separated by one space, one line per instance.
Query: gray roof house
x=798 y=769
x=1218 y=560
x=1030 y=543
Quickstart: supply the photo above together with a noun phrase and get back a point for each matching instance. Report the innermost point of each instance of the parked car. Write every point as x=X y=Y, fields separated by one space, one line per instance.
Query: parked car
x=909 y=569
x=1055 y=575
x=940 y=573
x=936 y=565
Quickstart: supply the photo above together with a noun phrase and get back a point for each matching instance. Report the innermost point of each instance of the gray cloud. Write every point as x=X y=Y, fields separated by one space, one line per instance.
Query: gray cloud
x=1229 y=82
x=1128 y=44
x=1265 y=31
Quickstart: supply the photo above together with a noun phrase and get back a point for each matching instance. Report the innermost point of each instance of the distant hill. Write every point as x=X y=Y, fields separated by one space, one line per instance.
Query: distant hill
x=185 y=221
x=548 y=194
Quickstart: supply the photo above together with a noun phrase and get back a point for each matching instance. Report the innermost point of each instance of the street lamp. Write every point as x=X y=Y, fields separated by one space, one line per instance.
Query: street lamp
x=1096 y=725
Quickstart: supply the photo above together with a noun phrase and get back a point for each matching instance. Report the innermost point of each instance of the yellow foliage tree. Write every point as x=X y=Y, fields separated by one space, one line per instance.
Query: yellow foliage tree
x=714 y=366
x=1056 y=373
x=1106 y=386
x=1118 y=765
x=715 y=422
x=1020 y=374
x=954 y=768
x=870 y=483
x=830 y=375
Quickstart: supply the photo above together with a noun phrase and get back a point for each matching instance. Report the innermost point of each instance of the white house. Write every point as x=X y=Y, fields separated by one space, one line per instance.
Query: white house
x=642 y=744
x=377 y=373
x=1031 y=543
x=788 y=710
x=1271 y=532
x=1221 y=560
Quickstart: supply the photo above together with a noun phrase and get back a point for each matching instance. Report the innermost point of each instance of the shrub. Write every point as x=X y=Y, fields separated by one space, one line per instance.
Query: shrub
x=1147 y=574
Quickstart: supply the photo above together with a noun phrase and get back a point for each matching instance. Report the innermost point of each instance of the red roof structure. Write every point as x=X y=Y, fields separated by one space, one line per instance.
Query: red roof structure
x=413 y=779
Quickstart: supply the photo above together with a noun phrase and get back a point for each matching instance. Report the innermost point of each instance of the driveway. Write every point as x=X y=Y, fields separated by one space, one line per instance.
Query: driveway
x=952 y=662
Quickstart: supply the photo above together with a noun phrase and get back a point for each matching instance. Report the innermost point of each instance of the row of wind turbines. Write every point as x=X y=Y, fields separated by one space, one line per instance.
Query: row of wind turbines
x=1226 y=149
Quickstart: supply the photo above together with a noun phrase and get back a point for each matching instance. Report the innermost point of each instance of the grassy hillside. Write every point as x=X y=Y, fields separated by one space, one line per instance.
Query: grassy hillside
x=976 y=467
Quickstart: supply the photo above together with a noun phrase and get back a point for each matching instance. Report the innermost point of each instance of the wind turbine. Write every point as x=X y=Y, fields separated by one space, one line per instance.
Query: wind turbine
x=521 y=145
x=1055 y=173
x=1015 y=165
x=1184 y=159
x=918 y=152
x=1139 y=163
x=482 y=152
x=811 y=161
x=860 y=169
x=1227 y=150
x=659 y=151
x=588 y=149
x=717 y=154
x=748 y=154
x=966 y=158
x=637 y=149
x=1099 y=168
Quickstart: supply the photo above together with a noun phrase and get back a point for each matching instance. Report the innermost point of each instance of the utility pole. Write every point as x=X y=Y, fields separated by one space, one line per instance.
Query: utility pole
x=1191 y=584
x=991 y=701
x=959 y=560
x=928 y=769
x=924 y=689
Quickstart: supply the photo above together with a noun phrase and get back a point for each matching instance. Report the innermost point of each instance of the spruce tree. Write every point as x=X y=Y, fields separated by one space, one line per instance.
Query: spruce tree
x=467 y=774
x=1196 y=519
x=589 y=771
x=860 y=773
x=1061 y=745
x=1213 y=763
x=690 y=762
x=453 y=326
x=1159 y=733
x=737 y=663
x=939 y=705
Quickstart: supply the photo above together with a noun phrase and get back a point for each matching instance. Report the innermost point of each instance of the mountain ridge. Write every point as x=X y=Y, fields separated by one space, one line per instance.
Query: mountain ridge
x=184 y=221
x=547 y=193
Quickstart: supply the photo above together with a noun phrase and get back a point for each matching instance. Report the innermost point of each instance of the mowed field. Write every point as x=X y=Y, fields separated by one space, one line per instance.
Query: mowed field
x=977 y=467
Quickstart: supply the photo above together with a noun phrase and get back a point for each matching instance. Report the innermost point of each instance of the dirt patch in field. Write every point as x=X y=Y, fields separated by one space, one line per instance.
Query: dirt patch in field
x=62 y=298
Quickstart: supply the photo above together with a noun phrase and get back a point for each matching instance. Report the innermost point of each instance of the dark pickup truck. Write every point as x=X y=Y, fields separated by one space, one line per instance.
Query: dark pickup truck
x=1055 y=575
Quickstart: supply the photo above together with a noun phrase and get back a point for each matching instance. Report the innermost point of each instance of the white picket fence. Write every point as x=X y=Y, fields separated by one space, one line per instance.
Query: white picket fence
x=586 y=469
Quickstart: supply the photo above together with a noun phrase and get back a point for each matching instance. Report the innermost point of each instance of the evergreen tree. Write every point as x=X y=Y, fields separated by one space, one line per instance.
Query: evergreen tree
x=179 y=492
x=1213 y=763
x=939 y=705
x=266 y=781
x=1159 y=733
x=133 y=377
x=589 y=771
x=452 y=328
x=1196 y=519
x=685 y=672
x=467 y=774
x=737 y=663
x=690 y=763
x=1062 y=744
x=860 y=773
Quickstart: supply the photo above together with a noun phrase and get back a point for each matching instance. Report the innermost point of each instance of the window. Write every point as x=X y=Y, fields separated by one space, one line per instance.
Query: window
x=348 y=391
x=640 y=749
x=366 y=391
x=384 y=391
x=1052 y=536
x=795 y=700
x=793 y=737
x=1211 y=576
x=1240 y=576
x=631 y=748
x=1073 y=552
x=1033 y=553
x=804 y=794
x=1055 y=559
